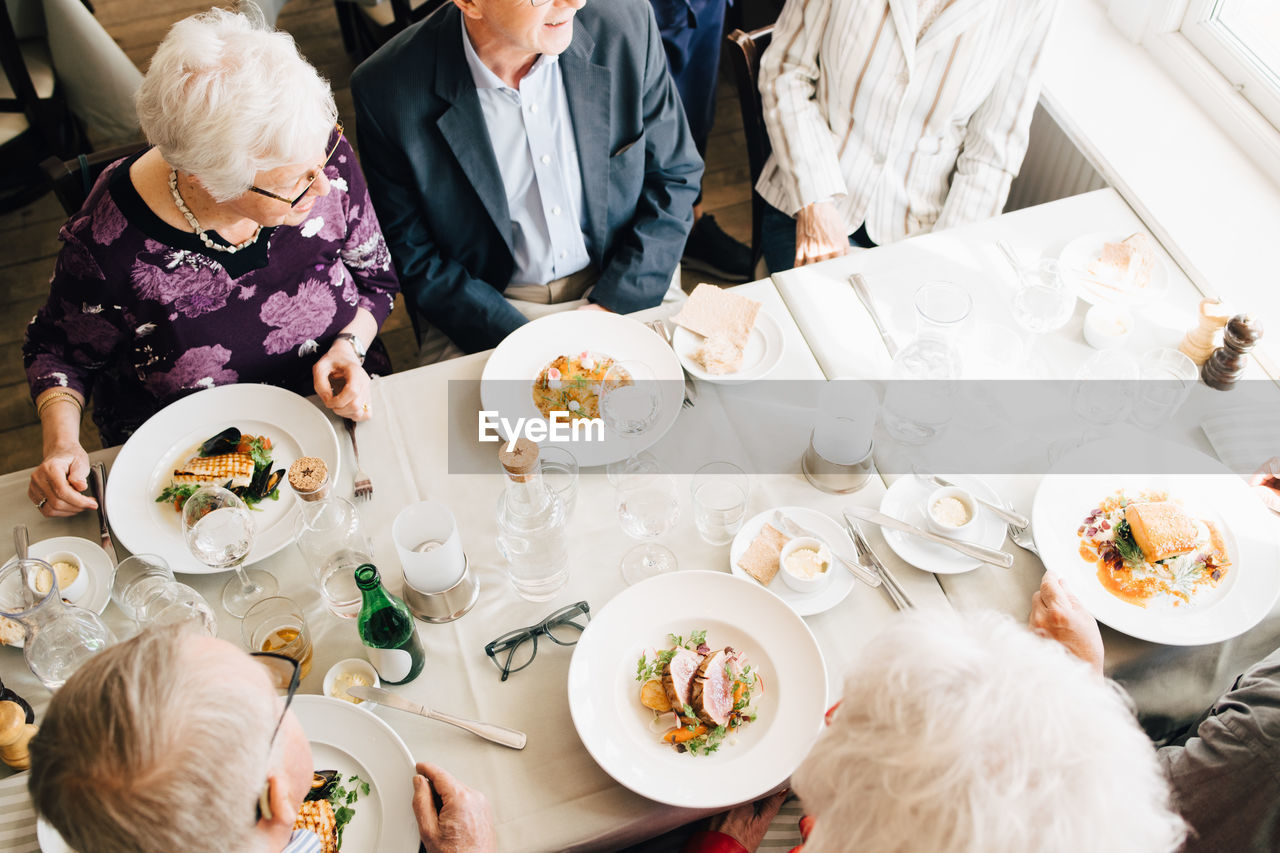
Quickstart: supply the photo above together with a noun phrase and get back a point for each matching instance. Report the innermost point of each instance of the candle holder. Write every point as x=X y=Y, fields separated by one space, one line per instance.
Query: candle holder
x=836 y=478
x=445 y=605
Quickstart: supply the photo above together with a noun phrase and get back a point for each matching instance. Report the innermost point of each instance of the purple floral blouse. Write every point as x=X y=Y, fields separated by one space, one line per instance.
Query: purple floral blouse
x=141 y=313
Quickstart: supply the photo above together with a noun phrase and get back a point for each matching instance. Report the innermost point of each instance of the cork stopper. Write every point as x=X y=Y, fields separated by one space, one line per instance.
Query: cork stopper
x=309 y=477
x=521 y=459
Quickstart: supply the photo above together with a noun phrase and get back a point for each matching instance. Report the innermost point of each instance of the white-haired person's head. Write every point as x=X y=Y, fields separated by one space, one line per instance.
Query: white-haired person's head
x=973 y=735
x=165 y=743
x=226 y=97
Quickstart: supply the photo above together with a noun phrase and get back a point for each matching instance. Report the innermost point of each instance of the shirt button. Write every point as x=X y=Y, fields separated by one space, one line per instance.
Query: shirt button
x=555 y=211
x=564 y=255
x=545 y=159
x=903 y=78
x=879 y=160
x=533 y=108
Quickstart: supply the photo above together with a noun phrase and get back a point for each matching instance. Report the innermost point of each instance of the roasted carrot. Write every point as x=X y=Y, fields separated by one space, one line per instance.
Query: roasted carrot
x=682 y=734
x=738 y=690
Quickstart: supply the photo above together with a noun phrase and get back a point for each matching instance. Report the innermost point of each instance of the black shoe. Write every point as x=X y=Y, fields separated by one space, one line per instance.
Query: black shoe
x=709 y=250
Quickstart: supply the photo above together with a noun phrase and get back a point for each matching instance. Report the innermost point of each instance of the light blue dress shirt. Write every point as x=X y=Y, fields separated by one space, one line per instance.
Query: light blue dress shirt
x=532 y=135
x=303 y=841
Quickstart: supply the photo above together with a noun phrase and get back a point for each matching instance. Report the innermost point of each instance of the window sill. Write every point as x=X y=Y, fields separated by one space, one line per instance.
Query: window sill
x=1212 y=207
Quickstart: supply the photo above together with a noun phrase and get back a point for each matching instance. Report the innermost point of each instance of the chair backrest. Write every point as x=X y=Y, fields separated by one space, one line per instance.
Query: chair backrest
x=73 y=179
x=745 y=50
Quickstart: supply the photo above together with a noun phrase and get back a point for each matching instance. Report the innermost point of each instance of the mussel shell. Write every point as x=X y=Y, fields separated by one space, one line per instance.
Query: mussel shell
x=273 y=481
x=321 y=785
x=224 y=442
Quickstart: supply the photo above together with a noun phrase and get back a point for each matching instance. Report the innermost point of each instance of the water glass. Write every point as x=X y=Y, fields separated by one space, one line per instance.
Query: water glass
x=720 y=491
x=276 y=625
x=916 y=413
x=1043 y=302
x=1165 y=379
x=146 y=591
x=648 y=507
x=560 y=474
x=332 y=541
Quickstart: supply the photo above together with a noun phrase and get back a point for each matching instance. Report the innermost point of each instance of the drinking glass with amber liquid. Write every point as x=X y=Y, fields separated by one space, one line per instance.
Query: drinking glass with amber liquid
x=276 y=625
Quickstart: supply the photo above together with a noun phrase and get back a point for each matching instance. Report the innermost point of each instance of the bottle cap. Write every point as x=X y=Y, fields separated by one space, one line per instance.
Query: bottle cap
x=309 y=477
x=520 y=459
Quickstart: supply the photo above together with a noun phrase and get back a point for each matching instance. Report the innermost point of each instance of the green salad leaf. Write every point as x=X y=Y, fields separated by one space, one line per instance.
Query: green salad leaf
x=1127 y=545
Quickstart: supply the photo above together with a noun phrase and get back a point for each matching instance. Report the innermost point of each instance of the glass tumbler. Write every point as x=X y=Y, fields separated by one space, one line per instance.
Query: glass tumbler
x=1165 y=380
x=560 y=474
x=916 y=412
x=276 y=624
x=720 y=491
x=146 y=591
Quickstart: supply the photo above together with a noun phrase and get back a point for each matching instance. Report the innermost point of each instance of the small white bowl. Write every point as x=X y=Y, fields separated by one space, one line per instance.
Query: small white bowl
x=945 y=528
x=358 y=666
x=70 y=592
x=1108 y=326
x=800 y=583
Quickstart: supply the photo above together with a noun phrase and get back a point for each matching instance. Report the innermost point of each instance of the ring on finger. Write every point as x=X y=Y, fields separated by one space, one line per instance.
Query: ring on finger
x=40 y=503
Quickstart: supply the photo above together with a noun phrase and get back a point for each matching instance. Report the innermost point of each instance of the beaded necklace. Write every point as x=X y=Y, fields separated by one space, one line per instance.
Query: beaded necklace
x=195 y=224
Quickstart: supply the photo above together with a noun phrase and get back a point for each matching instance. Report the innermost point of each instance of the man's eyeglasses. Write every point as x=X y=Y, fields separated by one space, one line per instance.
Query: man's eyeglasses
x=539 y=2
x=312 y=180
x=286 y=674
x=514 y=650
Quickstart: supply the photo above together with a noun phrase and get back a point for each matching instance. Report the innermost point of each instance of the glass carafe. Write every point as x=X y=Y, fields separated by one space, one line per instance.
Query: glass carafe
x=57 y=637
x=146 y=590
x=532 y=533
x=917 y=411
x=332 y=541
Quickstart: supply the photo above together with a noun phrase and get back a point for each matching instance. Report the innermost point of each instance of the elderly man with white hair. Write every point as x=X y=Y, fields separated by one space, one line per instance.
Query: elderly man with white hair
x=176 y=741
x=241 y=247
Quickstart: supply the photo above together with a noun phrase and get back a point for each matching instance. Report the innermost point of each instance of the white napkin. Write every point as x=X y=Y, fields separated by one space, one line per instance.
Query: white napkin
x=17 y=816
x=1244 y=438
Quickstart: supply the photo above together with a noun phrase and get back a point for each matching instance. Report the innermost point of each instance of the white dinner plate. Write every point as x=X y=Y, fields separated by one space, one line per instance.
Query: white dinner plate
x=147 y=460
x=350 y=740
x=604 y=696
x=1073 y=266
x=1239 y=602
x=760 y=356
x=506 y=386
x=905 y=500
x=805 y=603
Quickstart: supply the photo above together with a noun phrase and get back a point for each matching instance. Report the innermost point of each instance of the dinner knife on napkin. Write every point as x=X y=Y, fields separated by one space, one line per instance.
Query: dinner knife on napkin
x=489 y=731
x=860 y=289
x=98 y=488
x=994 y=556
x=863 y=548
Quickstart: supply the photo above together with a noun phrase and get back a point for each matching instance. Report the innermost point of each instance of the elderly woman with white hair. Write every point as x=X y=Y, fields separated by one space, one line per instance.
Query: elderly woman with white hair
x=240 y=247
x=973 y=735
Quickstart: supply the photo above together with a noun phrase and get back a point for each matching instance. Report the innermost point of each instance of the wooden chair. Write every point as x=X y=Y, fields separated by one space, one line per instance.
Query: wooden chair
x=745 y=50
x=35 y=120
x=73 y=179
x=366 y=28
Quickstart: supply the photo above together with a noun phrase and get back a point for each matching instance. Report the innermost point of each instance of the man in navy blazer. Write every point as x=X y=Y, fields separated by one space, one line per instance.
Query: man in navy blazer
x=426 y=143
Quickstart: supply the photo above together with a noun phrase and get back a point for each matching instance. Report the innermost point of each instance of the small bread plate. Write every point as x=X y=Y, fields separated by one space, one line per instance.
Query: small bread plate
x=803 y=603
x=506 y=386
x=760 y=356
x=1213 y=495
x=353 y=741
x=1080 y=253
x=906 y=501
x=146 y=463
x=619 y=732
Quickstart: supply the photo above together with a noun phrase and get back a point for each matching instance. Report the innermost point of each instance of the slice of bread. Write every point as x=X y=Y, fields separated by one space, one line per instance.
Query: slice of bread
x=711 y=310
x=718 y=355
x=762 y=556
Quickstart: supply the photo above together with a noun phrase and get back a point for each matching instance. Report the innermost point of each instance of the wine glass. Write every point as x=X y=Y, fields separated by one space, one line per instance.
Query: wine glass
x=648 y=507
x=630 y=402
x=219 y=533
x=1043 y=303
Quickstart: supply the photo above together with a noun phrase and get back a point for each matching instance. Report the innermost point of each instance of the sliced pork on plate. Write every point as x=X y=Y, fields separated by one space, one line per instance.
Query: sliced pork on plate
x=711 y=694
x=677 y=676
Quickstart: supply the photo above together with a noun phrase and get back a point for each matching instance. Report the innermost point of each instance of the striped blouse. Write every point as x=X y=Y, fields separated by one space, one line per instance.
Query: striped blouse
x=905 y=136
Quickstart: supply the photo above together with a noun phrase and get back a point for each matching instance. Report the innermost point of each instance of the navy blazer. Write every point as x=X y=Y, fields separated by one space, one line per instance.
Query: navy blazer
x=439 y=195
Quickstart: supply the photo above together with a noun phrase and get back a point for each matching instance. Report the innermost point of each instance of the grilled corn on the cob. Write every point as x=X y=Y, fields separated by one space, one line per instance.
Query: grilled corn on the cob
x=215 y=470
x=317 y=816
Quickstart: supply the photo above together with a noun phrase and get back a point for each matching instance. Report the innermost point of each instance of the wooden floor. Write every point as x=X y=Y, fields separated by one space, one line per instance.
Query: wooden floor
x=28 y=238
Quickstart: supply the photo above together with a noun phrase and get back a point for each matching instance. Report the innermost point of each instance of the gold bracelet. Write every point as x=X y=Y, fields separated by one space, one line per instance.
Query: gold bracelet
x=56 y=396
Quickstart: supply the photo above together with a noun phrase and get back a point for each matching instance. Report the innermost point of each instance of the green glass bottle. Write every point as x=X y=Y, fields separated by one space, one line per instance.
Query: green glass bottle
x=387 y=629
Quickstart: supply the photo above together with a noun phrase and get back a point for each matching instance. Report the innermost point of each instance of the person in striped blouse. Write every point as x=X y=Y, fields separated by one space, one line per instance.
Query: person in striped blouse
x=890 y=118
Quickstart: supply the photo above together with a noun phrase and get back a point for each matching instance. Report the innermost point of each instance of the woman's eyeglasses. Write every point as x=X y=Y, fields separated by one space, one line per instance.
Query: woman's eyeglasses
x=286 y=674
x=515 y=650
x=314 y=176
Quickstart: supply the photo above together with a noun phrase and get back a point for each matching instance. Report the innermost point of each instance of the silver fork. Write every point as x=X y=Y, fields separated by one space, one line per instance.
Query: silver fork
x=1023 y=538
x=690 y=390
x=363 y=485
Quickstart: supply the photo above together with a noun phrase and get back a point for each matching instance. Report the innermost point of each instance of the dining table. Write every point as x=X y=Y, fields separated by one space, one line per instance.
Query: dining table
x=552 y=795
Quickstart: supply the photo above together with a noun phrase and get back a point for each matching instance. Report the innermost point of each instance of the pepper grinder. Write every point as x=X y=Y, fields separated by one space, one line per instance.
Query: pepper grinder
x=15 y=736
x=1226 y=364
x=1199 y=342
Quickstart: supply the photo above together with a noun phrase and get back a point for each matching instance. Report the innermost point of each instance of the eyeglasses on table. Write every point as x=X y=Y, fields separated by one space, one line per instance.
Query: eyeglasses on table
x=515 y=650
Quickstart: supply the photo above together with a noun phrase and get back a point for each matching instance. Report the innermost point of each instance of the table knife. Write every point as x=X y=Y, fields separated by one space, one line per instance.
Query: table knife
x=994 y=556
x=98 y=488
x=863 y=548
x=489 y=731
x=863 y=292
